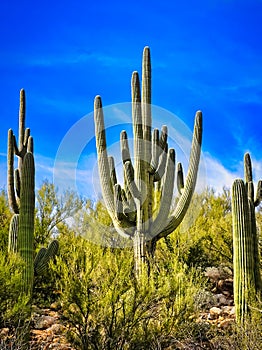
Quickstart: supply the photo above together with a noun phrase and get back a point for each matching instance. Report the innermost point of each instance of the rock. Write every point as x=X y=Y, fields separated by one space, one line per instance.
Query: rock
x=225 y=323
x=227 y=309
x=214 y=313
x=221 y=299
x=4 y=332
x=44 y=322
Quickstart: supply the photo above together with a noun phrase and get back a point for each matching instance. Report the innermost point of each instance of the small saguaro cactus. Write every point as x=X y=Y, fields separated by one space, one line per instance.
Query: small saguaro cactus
x=247 y=277
x=149 y=177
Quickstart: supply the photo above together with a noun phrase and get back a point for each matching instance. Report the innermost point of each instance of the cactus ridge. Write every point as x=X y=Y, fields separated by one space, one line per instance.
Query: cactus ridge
x=151 y=170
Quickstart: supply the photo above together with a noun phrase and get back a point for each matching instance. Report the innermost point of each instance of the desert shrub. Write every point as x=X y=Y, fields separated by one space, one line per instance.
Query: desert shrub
x=106 y=308
x=205 y=239
x=13 y=305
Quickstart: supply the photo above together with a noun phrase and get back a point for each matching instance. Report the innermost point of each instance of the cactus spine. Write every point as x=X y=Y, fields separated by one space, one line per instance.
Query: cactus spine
x=247 y=278
x=131 y=207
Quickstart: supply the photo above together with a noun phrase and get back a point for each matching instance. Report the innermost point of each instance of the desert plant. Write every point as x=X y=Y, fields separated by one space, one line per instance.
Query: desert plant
x=131 y=206
x=247 y=278
x=21 y=194
x=106 y=308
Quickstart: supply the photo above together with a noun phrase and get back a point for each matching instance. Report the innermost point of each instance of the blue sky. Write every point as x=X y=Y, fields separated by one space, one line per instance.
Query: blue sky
x=205 y=55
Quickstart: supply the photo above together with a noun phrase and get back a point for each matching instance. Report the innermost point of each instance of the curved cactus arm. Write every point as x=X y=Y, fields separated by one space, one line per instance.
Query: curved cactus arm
x=185 y=198
x=118 y=202
x=13 y=233
x=17 y=182
x=248 y=177
x=104 y=171
x=258 y=193
x=159 y=173
x=155 y=152
x=180 y=178
x=166 y=195
x=26 y=219
x=112 y=170
x=243 y=258
x=44 y=256
x=10 y=173
x=129 y=171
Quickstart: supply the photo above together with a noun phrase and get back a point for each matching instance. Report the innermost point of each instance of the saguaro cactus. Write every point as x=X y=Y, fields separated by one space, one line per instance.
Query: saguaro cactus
x=131 y=205
x=247 y=278
x=21 y=194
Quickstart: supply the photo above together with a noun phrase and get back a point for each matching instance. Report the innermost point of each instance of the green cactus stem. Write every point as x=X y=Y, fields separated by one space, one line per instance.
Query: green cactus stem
x=25 y=144
x=44 y=256
x=247 y=277
x=26 y=220
x=150 y=176
x=13 y=234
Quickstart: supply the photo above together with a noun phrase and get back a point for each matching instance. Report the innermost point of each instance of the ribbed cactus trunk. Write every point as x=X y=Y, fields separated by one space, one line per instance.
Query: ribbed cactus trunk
x=26 y=221
x=247 y=277
x=150 y=175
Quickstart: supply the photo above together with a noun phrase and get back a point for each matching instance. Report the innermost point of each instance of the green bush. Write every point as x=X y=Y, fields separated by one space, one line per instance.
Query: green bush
x=106 y=308
x=13 y=306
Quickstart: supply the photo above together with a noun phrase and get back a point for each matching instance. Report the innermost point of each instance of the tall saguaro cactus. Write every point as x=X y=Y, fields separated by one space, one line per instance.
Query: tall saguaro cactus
x=153 y=169
x=21 y=194
x=247 y=278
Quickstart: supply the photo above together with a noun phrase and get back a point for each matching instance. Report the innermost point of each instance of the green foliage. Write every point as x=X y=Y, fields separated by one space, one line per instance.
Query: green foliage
x=13 y=306
x=105 y=306
x=52 y=210
x=206 y=240
x=5 y=218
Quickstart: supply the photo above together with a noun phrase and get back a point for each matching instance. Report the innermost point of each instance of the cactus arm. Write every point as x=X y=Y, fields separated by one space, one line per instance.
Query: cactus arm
x=185 y=198
x=146 y=103
x=155 y=152
x=163 y=137
x=104 y=171
x=10 y=171
x=30 y=145
x=44 y=256
x=248 y=177
x=26 y=220
x=180 y=178
x=166 y=195
x=129 y=171
x=159 y=173
x=17 y=182
x=139 y=160
x=21 y=137
x=118 y=202
x=258 y=193
x=112 y=170
x=13 y=233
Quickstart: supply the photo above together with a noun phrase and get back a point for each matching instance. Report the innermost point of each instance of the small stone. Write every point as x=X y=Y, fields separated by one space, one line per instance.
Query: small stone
x=4 y=332
x=45 y=322
x=215 y=312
